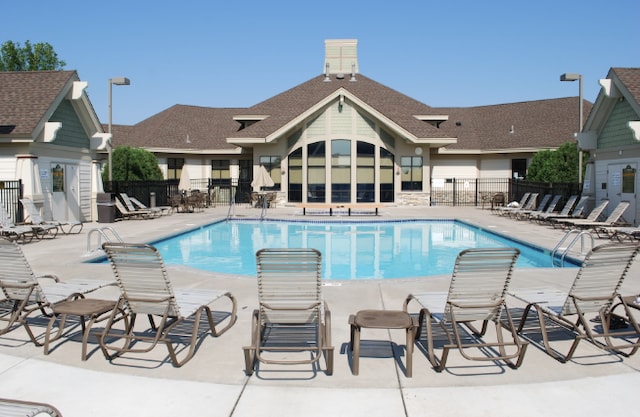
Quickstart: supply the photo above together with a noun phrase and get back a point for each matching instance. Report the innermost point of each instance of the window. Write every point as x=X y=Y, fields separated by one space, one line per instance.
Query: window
x=340 y=171
x=411 y=173
x=274 y=168
x=386 y=176
x=365 y=172
x=295 y=176
x=316 y=172
x=174 y=168
x=220 y=172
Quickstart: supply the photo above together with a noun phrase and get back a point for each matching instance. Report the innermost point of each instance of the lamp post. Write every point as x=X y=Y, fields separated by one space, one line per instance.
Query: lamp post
x=112 y=81
x=577 y=77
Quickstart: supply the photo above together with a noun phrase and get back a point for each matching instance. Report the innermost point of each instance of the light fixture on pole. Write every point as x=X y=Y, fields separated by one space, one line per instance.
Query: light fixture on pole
x=112 y=81
x=577 y=77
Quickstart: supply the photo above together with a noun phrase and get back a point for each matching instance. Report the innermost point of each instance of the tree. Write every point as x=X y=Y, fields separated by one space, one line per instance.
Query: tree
x=133 y=164
x=560 y=165
x=38 y=57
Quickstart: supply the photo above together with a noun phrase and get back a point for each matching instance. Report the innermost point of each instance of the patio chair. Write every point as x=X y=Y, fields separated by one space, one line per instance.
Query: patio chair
x=292 y=317
x=36 y=219
x=476 y=294
x=549 y=209
x=29 y=293
x=593 y=216
x=530 y=205
x=12 y=231
x=18 y=408
x=594 y=290
x=565 y=212
x=145 y=289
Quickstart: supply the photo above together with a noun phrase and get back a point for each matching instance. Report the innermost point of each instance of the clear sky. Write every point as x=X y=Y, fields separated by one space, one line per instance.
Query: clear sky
x=453 y=53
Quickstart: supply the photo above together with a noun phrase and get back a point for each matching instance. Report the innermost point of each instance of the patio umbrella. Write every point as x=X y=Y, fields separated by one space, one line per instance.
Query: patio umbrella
x=185 y=180
x=263 y=179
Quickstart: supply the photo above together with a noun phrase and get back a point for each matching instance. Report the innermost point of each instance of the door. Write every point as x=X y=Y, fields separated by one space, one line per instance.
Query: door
x=621 y=186
x=65 y=192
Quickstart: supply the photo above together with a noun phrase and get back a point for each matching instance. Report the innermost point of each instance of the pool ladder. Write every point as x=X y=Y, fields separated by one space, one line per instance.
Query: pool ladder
x=578 y=235
x=107 y=233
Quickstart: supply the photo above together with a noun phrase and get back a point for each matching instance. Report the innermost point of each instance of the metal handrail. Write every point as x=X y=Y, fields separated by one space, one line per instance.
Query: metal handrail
x=579 y=235
x=101 y=232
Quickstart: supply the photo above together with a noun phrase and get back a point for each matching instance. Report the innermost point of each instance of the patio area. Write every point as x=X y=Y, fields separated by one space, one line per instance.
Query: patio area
x=213 y=382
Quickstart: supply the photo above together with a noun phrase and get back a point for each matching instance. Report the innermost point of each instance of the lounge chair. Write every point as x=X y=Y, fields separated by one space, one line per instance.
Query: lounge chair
x=128 y=214
x=292 y=316
x=614 y=219
x=29 y=293
x=476 y=294
x=131 y=207
x=593 y=291
x=10 y=230
x=505 y=209
x=593 y=216
x=565 y=212
x=622 y=233
x=18 y=408
x=145 y=289
x=36 y=219
x=159 y=209
x=525 y=214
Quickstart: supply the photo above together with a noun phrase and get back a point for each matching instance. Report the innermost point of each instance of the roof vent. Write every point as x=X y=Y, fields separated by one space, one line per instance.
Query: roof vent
x=326 y=73
x=353 y=72
x=340 y=76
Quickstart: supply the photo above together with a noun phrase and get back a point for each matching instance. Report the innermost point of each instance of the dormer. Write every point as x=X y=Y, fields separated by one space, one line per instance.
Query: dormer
x=247 y=120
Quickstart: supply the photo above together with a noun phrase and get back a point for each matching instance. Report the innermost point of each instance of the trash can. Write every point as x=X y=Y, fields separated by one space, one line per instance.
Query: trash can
x=106 y=208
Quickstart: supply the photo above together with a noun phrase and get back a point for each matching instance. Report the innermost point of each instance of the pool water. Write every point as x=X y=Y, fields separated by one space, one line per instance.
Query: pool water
x=350 y=250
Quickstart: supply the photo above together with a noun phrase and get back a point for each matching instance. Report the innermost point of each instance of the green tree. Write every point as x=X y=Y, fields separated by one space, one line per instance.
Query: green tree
x=560 y=165
x=133 y=164
x=38 y=57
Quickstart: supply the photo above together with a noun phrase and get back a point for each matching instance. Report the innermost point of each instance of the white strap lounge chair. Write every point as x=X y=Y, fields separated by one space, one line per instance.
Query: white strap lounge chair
x=476 y=294
x=146 y=290
x=592 y=294
x=292 y=318
x=29 y=293
x=18 y=408
x=36 y=219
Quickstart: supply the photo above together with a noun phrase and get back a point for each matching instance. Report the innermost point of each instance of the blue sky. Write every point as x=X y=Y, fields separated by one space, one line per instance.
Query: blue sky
x=456 y=53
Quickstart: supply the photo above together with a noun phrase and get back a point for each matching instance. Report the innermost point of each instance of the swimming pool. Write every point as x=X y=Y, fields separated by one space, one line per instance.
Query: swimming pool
x=350 y=250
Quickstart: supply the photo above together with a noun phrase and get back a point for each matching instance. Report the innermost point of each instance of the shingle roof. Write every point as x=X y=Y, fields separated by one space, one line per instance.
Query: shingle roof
x=536 y=124
x=630 y=77
x=25 y=96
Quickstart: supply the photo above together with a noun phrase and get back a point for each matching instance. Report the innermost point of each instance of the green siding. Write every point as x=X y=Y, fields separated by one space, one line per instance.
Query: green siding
x=72 y=133
x=316 y=127
x=616 y=130
x=341 y=123
x=364 y=126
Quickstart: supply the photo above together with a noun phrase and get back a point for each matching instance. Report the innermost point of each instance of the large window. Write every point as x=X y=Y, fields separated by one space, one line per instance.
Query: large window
x=340 y=171
x=220 y=173
x=365 y=172
x=274 y=168
x=411 y=173
x=174 y=168
x=295 y=176
x=386 y=176
x=316 y=172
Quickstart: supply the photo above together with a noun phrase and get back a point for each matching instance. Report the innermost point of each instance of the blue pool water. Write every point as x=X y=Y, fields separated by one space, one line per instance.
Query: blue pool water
x=350 y=250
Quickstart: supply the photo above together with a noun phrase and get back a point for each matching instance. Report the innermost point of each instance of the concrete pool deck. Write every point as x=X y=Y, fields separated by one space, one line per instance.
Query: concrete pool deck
x=213 y=382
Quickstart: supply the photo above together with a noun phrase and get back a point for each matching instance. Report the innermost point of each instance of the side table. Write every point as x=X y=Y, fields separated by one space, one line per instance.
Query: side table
x=381 y=319
x=81 y=307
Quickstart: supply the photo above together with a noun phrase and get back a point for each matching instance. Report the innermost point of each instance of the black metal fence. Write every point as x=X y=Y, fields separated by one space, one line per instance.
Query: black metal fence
x=10 y=195
x=479 y=191
x=219 y=193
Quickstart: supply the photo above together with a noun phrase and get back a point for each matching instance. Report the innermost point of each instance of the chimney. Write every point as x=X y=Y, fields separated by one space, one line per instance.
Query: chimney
x=341 y=57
